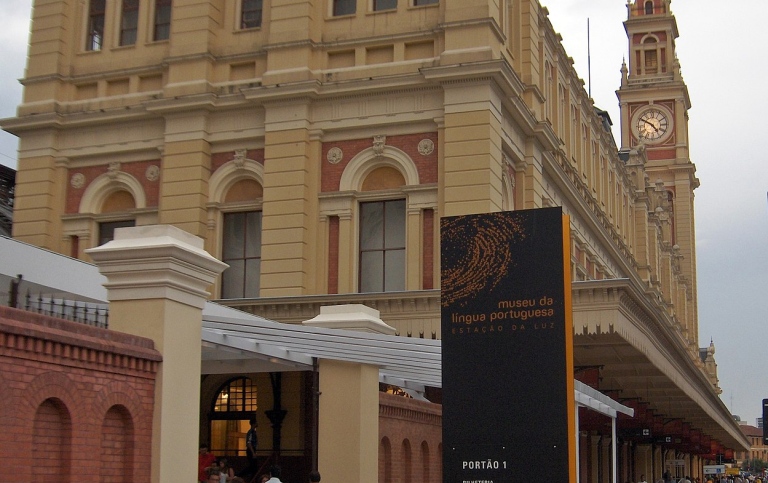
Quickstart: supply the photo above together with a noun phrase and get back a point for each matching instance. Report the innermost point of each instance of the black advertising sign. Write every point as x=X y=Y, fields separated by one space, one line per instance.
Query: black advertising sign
x=765 y=421
x=507 y=348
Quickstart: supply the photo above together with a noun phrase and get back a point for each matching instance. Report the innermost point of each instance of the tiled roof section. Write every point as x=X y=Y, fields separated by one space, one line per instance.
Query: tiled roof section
x=751 y=430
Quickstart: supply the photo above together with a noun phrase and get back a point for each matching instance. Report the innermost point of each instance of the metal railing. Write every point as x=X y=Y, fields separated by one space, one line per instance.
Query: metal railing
x=93 y=314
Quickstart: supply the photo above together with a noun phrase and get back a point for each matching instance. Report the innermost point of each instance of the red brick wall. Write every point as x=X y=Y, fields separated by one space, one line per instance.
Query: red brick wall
x=408 y=143
x=427 y=282
x=75 y=401
x=333 y=254
x=410 y=440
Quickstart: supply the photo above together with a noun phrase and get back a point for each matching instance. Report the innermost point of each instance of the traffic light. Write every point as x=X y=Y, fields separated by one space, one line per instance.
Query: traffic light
x=765 y=421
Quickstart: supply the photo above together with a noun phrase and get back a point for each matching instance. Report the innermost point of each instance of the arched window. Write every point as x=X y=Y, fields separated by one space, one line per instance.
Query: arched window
x=379 y=221
x=120 y=201
x=237 y=396
x=649 y=7
x=382 y=235
x=115 y=199
x=651 y=57
x=236 y=191
x=236 y=403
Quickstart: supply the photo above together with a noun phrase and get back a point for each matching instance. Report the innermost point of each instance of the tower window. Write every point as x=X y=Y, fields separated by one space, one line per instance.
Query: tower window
x=651 y=62
x=649 y=8
x=96 y=11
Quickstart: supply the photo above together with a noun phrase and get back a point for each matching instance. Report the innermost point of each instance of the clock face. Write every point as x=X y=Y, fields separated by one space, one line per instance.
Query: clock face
x=652 y=125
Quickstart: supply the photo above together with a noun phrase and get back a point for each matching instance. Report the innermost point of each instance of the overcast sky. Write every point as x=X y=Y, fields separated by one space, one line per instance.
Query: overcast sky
x=723 y=61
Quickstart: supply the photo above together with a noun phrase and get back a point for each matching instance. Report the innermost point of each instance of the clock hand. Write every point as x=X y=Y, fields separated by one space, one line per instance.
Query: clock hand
x=650 y=124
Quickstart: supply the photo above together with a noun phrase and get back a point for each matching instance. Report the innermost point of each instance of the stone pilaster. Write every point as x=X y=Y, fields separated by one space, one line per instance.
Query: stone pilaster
x=291 y=177
x=472 y=155
x=348 y=426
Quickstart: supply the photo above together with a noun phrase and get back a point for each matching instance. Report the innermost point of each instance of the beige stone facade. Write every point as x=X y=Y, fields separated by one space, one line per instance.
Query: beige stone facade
x=758 y=451
x=309 y=117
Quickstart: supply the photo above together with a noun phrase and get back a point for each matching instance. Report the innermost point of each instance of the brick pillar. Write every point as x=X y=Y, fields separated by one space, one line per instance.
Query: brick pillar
x=157 y=278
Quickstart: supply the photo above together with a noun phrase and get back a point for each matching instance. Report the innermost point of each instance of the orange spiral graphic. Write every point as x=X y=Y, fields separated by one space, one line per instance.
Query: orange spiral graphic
x=476 y=254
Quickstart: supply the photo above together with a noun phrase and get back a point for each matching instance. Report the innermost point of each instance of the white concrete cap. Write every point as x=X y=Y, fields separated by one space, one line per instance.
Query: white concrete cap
x=356 y=317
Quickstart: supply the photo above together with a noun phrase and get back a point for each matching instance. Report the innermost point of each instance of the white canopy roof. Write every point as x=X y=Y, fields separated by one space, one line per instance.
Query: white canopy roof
x=235 y=341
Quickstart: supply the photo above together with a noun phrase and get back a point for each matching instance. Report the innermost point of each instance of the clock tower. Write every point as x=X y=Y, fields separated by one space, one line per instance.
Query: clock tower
x=654 y=118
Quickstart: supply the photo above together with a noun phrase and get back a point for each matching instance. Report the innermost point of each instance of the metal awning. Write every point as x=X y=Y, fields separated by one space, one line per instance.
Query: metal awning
x=241 y=342
x=411 y=363
x=235 y=341
x=593 y=399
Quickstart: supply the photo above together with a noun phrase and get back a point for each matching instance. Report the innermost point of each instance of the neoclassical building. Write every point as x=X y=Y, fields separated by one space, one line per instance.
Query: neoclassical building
x=314 y=146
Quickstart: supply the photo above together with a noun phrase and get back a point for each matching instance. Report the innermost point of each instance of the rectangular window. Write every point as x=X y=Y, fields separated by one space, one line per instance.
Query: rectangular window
x=382 y=246
x=418 y=3
x=250 y=14
x=384 y=4
x=96 y=11
x=162 y=20
x=129 y=22
x=651 y=62
x=344 y=7
x=241 y=250
x=107 y=229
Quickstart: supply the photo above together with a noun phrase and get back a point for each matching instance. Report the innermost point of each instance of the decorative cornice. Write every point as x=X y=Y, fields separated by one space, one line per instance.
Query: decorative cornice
x=415 y=304
x=406 y=409
x=56 y=341
x=156 y=262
